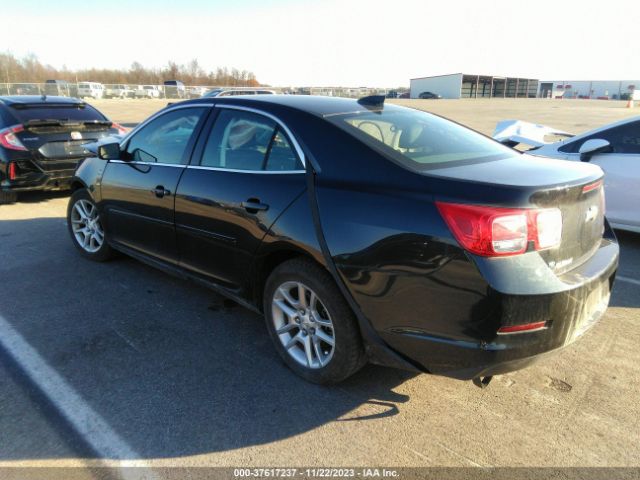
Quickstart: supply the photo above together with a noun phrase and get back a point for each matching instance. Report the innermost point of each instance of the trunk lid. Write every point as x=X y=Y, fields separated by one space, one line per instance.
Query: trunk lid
x=576 y=188
x=582 y=208
x=59 y=145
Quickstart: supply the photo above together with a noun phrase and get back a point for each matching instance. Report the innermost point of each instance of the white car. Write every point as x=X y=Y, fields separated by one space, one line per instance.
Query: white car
x=197 y=92
x=148 y=91
x=90 y=89
x=118 y=91
x=615 y=148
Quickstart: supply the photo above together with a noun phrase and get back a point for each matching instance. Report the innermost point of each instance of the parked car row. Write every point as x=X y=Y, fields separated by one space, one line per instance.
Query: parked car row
x=170 y=89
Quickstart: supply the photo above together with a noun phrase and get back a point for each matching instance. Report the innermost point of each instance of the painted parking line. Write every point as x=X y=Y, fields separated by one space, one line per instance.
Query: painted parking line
x=107 y=444
x=628 y=280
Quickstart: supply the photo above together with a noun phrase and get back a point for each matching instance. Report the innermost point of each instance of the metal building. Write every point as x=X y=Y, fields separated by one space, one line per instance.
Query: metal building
x=462 y=85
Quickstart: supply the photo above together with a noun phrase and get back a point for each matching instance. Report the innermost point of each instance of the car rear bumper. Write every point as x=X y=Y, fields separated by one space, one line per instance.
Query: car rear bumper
x=478 y=350
x=59 y=180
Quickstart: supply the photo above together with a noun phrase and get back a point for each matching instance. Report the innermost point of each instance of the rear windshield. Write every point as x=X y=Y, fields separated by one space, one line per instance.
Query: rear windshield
x=65 y=113
x=418 y=140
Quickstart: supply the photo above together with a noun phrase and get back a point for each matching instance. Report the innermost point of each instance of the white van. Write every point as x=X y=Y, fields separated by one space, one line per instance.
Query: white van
x=148 y=91
x=90 y=89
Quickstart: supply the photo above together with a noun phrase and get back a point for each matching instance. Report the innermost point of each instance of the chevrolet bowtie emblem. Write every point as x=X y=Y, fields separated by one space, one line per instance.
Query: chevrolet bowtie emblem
x=591 y=214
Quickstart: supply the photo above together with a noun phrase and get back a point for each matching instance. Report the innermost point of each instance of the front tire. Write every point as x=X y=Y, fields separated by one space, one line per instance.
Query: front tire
x=86 y=227
x=310 y=323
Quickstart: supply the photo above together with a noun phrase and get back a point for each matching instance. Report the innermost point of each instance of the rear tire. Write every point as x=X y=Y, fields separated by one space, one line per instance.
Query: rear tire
x=317 y=337
x=8 y=197
x=86 y=227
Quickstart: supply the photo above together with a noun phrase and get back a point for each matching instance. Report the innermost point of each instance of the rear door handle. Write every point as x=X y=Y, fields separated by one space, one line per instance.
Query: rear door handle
x=160 y=191
x=254 y=205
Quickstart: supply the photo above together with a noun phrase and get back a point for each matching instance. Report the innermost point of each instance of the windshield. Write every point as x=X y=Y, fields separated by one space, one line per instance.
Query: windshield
x=419 y=140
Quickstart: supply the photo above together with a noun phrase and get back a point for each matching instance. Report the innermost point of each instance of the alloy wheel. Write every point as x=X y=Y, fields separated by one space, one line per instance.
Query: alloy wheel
x=303 y=325
x=86 y=226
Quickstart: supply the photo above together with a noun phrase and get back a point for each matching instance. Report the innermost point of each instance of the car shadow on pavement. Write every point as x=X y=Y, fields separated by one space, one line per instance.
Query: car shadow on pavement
x=40 y=196
x=173 y=368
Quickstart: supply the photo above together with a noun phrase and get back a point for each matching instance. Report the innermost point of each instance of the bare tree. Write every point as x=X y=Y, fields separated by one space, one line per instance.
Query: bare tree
x=29 y=69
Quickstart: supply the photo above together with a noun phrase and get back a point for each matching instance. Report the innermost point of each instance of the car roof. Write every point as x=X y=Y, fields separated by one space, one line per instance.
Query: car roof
x=35 y=99
x=610 y=125
x=314 y=104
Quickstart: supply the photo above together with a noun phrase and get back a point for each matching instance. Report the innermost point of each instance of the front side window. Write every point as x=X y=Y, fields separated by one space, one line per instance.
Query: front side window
x=418 y=140
x=247 y=141
x=165 y=138
x=623 y=139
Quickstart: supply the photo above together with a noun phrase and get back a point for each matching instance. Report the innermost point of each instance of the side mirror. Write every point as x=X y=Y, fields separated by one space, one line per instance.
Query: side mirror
x=109 y=151
x=593 y=146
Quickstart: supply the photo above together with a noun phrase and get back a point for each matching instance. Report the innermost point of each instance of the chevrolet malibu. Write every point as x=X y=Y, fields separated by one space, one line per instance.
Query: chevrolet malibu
x=361 y=231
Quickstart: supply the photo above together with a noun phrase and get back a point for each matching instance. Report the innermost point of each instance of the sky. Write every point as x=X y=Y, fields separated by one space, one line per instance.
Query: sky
x=336 y=42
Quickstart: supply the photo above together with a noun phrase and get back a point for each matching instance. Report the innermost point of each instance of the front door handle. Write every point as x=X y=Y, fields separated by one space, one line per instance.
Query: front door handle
x=254 y=205
x=160 y=191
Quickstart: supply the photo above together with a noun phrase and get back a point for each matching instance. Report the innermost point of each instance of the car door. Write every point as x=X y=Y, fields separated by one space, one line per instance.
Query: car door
x=621 y=167
x=622 y=186
x=138 y=190
x=248 y=169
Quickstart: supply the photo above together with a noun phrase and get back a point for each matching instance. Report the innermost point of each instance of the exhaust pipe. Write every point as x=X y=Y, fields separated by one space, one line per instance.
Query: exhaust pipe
x=482 y=382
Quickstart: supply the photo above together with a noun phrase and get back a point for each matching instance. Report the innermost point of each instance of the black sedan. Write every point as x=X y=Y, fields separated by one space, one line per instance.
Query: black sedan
x=429 y=96
x=43 y=138
x=362 y=231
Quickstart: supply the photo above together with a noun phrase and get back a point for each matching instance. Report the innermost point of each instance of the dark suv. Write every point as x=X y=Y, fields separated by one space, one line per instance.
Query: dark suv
x=42 y=139
x=429 y=96
x=60 y=88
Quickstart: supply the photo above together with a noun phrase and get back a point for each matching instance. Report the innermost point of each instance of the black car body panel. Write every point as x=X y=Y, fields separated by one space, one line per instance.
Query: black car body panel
x=219 y=237
x=422 y=301
x=54 y=133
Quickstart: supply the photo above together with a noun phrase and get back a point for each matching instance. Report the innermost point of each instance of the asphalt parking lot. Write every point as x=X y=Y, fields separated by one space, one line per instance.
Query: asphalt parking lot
x=128 y=363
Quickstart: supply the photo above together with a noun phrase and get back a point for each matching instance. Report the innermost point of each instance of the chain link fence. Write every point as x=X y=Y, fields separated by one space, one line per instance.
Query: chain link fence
x=122 y=91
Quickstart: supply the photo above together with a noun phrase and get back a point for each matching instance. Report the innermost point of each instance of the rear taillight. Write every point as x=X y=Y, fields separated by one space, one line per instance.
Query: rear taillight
x=8 y=138
x=492 y=231
x=121 y=130
x=12 y=171
x=548 y=227
x=591 y=186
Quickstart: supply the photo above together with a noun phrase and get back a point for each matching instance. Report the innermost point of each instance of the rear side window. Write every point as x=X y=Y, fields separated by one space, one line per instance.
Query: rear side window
x=165 y=138
x=247 y=141
x=85 y=113
x=418 y=140
x=623 y=139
